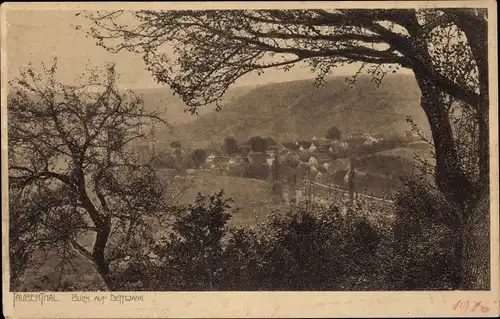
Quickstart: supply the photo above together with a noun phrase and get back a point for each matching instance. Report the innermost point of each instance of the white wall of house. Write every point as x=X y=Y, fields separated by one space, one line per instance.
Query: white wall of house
x=313 y=160
x=210 y=158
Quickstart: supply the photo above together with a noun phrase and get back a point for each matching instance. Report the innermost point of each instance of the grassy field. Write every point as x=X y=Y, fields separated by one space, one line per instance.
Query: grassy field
x=408 y=152
x=252 y=196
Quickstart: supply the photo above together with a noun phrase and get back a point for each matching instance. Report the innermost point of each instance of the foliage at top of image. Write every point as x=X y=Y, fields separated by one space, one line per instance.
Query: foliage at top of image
x=214 y=48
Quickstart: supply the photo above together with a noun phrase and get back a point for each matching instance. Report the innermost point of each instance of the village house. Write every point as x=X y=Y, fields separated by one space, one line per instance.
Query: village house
x=305 y=144
x=244 y=160
x=366 y=135
x=293 y=156
x=304 y=158
x=312 y=148
x=338 y=145
x=322 y=157
x=312 y=161
x=272 y=150
x=322 y=170
x=289 y=146
x=320 y=149
x=282 y=154
x=379 y=137
x=323 y=143
x=221 y=160
x=210 y=158
x=370 y=141
x=270 y=161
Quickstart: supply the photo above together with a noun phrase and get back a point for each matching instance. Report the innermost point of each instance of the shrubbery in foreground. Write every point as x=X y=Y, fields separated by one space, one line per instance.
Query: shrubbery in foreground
x=424 y=239
x=305 y=249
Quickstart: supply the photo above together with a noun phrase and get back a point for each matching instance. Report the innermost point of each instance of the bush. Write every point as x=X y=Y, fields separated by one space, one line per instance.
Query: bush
x=257 y=171
x=192 y=254
x=424 y=239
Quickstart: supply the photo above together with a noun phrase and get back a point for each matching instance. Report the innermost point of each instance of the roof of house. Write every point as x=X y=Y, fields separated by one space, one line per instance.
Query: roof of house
x=305 y=144
x=322 y=142
x=323 y=148
x=221 y=159
x=322 y=157
x=304 y=157
x=290 y=145
x=322 y=169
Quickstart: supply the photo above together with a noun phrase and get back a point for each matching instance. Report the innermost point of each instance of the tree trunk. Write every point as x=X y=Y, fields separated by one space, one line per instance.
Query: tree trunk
x=103 y=270
x=475 y=266
x=474 y=228
x=98 y=254
x=475 y=263
x=450 y=179
x=473 y=271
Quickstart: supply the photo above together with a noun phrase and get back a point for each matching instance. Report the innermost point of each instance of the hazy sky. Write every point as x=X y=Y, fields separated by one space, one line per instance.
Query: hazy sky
x=39 y=36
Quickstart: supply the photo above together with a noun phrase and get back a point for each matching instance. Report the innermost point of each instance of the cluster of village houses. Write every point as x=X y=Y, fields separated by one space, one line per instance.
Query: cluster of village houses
x=315 y=156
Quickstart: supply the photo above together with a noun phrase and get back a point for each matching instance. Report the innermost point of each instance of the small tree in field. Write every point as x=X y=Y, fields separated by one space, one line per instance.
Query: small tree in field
x=333 y=133
x=257 y=144
x=230 y=146
x=72 y=171
x=199 y=156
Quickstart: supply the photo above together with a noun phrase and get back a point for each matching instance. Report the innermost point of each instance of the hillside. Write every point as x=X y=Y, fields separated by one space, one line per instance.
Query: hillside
x=173 y=109
x=297 y=109
x=421 y=150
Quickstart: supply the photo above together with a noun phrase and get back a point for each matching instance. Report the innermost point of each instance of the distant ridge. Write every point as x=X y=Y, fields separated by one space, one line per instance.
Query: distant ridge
x=298 y=110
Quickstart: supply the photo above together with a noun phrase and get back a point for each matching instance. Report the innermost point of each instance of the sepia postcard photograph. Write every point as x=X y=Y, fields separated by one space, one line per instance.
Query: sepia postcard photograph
x=250 y=159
